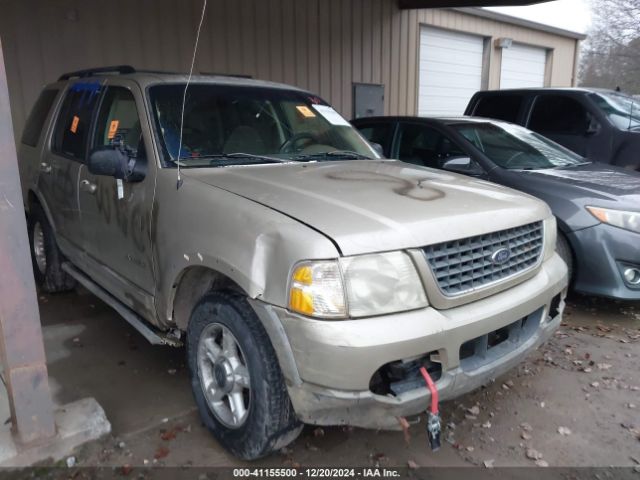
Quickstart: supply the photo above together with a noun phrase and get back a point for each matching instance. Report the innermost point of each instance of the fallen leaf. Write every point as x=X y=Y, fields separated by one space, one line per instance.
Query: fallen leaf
x=564 y=431
x=412 y=465
x=405 y=429
x=161 y=452
x=488 y=463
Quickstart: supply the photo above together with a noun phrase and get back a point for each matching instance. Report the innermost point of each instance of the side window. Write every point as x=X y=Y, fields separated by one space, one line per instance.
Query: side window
x=37 y=117
x=118 y=122
x=500 y=107
x=423 y=145
x=73 y=124
x=557 y=114
x=380 y=133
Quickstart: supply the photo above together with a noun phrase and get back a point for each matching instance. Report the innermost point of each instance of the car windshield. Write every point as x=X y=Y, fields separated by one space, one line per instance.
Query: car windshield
x=516 y=148
x=621 y=109
x=230 y=125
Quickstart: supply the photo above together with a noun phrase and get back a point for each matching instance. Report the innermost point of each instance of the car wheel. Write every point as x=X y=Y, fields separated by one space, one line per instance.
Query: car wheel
x=236 y=379
x=564 y=250
x=45 y=255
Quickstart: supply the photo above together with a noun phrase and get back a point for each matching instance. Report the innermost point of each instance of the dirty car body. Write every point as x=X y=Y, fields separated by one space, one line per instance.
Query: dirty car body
x=356 y=269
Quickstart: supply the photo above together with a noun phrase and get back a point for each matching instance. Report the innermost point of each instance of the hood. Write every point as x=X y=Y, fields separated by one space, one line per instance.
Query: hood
x=591 y=182
x=369 y=206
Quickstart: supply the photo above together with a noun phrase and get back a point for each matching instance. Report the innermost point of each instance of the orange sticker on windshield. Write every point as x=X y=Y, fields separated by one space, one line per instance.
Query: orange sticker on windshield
x=74 y=124
x=113 y=129
x=305 y=111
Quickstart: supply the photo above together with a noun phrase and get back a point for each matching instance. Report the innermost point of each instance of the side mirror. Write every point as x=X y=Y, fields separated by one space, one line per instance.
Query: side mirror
x=464 y=165
x=114 y=161
x=593 y=127
x=378 y=148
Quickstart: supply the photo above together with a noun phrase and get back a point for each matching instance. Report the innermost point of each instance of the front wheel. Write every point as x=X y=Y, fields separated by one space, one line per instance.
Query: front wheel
x=236 y=379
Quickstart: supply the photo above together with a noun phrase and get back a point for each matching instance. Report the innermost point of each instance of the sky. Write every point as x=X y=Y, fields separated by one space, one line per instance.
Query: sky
x=574 y=15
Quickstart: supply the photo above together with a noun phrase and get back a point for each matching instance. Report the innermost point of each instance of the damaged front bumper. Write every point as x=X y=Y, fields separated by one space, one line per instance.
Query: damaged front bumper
x=331 y=366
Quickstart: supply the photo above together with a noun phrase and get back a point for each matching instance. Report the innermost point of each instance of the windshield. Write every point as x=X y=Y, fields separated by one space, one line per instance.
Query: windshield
x=621 y=109
x=231 y=125
x=516 y=148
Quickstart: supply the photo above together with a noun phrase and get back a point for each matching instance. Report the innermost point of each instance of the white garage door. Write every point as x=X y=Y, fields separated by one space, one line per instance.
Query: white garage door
x=450 y=71
x=522 y=66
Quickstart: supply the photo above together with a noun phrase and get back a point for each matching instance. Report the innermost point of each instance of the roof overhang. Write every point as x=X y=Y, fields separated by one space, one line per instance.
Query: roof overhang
x=404 y=4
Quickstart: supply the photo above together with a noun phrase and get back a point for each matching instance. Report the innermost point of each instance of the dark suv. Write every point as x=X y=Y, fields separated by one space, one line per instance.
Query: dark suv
x=600 y=125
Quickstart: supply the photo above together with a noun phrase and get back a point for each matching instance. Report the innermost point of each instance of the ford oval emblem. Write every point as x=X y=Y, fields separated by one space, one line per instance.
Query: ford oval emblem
x=500 y=256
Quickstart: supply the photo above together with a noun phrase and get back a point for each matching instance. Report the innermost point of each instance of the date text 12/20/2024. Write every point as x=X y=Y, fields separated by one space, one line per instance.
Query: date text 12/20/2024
x=316 y=472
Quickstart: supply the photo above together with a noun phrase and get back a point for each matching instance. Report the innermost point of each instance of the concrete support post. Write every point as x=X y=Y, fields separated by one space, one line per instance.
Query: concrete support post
x=21 y=344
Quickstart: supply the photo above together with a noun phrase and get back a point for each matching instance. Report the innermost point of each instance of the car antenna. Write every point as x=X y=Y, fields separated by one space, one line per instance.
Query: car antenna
x=184 y=95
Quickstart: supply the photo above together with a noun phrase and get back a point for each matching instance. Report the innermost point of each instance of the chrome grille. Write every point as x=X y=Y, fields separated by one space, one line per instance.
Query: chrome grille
x=460 y=266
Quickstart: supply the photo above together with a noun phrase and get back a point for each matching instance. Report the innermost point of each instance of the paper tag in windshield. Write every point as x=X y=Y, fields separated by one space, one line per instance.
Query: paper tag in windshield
x=305 y=111
x=331 y=115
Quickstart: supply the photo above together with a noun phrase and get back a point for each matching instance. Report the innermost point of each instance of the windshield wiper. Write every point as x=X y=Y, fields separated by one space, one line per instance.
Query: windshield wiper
x=248 y=158
x=571 y=165
x=333 y=155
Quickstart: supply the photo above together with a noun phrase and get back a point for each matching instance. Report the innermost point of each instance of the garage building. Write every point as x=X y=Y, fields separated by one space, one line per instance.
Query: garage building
x=363 y=56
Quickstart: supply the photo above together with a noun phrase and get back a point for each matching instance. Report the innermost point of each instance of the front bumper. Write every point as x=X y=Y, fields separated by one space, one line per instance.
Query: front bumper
x=599 y=252
x=334 y=361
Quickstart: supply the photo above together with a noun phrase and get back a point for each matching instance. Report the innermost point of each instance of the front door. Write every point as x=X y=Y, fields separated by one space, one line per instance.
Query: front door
x=62 y=161
x=116 y=215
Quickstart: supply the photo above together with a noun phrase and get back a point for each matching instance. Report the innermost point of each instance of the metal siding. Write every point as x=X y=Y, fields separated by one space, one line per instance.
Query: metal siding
x=296 y=41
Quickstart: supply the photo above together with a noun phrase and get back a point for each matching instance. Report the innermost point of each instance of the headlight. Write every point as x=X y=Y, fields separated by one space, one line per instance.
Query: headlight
x=617 y=218
x=373 y=285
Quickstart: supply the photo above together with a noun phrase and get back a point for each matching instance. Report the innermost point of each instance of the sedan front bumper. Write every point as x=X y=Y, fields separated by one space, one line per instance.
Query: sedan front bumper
x=600 y=252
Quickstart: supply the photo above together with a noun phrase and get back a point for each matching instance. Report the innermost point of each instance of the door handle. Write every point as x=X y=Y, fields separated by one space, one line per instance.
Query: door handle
x=88 y=187
x=45 y=167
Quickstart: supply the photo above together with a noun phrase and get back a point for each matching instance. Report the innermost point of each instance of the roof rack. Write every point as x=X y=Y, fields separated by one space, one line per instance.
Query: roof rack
x=90 y=72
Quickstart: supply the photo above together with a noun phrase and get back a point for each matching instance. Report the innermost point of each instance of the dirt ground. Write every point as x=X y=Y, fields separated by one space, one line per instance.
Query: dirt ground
x=574 y=402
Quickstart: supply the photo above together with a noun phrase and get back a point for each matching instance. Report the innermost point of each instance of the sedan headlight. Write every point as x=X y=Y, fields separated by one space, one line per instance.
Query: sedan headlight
x=617 y=218
x=359 y=286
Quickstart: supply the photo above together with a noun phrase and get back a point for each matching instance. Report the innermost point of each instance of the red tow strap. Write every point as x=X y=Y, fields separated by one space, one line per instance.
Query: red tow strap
x=432 y=388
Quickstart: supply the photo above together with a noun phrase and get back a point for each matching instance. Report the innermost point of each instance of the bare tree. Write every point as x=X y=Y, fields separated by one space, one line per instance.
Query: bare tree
x=611 y=54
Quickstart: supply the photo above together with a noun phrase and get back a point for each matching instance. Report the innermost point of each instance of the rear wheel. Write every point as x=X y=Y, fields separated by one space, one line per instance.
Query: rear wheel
x=45 y=254
x=564 y=250
x=236 y=379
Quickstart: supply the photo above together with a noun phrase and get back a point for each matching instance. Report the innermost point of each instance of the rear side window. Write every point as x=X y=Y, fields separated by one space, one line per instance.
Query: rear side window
x=74 y=122
x=558 y=114
x=500 y=107
x=37 y=117
x=380 y=133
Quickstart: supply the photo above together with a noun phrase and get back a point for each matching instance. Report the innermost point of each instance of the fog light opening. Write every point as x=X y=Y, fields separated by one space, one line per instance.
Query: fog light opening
x=632 y=276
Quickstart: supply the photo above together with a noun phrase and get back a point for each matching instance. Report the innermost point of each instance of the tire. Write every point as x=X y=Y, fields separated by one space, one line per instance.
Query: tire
x=45 y=255
x=269 y=422
x=564 y=250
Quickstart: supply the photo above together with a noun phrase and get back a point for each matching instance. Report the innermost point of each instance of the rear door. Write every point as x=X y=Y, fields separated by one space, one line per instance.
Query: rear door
x=62 y=161
x=501 y=106
x=116 y=215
